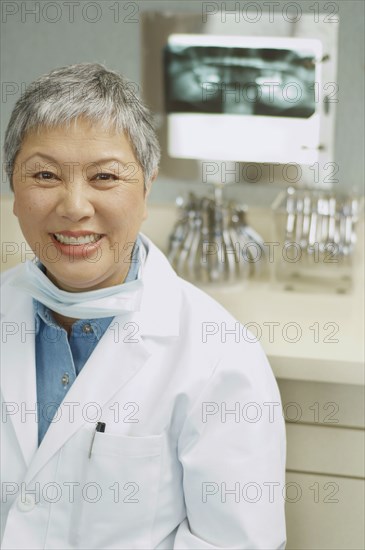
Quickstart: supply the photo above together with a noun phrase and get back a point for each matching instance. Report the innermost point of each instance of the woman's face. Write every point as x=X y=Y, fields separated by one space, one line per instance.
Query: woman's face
x=80 y=200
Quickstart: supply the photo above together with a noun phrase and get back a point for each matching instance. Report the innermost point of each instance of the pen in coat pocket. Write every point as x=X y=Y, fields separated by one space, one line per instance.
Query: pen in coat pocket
x=100 y=427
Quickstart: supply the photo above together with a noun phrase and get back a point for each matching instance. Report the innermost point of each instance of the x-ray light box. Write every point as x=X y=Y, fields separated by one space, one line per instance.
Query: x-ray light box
x=243 y=98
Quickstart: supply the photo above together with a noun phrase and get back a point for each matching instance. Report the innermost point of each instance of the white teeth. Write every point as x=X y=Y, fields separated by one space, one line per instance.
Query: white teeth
x=77 y=240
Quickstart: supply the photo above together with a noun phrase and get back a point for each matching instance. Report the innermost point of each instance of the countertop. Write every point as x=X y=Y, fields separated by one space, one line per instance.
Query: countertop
x=306 y=335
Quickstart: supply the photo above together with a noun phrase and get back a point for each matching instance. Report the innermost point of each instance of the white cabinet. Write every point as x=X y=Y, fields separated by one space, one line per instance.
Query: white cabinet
x=325 y=487
x=328 y=515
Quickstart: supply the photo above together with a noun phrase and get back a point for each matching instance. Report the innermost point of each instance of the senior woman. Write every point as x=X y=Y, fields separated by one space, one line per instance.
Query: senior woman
x=132 y=417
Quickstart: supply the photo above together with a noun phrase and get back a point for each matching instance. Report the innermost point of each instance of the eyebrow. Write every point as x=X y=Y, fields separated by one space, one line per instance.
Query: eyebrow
x=100 y=161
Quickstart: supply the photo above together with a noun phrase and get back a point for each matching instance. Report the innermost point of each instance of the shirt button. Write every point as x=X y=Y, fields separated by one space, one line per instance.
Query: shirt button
x=87 y=328
x=65 y=379
x=26 y=503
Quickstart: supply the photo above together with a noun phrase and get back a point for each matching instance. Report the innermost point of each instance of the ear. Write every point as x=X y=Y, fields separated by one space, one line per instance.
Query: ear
x=147 y=192
x=150 y=182
x=15 y=208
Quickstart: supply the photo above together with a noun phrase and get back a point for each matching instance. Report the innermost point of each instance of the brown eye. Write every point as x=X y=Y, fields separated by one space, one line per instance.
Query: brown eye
x=104 y=176
x=45 y=176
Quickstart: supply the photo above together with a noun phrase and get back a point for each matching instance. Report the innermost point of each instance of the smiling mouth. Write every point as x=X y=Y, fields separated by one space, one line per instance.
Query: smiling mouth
x=84 y=239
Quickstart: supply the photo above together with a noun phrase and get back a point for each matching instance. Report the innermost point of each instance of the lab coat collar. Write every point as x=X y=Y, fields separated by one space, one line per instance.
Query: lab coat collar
x=161 y=300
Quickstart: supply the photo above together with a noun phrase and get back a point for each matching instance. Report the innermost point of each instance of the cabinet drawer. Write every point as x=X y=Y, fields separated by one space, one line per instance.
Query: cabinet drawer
x=320 y=403
x=320 y=449
x=324 y=512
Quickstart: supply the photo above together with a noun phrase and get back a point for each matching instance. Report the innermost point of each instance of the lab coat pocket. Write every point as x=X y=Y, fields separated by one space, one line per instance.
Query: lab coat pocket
x=119 y=493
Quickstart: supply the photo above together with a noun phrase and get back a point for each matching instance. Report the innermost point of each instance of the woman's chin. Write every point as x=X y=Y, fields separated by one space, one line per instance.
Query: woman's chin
x=80 y=280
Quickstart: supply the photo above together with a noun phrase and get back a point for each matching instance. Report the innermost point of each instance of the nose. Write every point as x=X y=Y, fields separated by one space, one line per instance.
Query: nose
x=75 y=202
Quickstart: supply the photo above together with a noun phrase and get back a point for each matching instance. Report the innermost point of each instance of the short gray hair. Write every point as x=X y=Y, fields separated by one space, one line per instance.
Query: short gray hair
x=84 y=90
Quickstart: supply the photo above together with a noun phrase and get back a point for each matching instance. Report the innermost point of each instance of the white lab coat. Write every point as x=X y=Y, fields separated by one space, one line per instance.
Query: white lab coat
x=174 y=469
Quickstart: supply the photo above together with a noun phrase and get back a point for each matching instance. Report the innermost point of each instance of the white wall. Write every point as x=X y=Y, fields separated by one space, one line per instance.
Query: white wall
x=31 y=47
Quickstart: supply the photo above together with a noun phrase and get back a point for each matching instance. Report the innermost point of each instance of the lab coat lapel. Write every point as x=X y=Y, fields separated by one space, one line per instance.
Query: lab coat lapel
x=161 y=302
x=18 y=374
x=103 y=375
x=109 y=367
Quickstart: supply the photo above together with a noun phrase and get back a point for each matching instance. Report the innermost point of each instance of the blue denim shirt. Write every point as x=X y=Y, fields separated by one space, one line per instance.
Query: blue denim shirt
x=59 y=359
